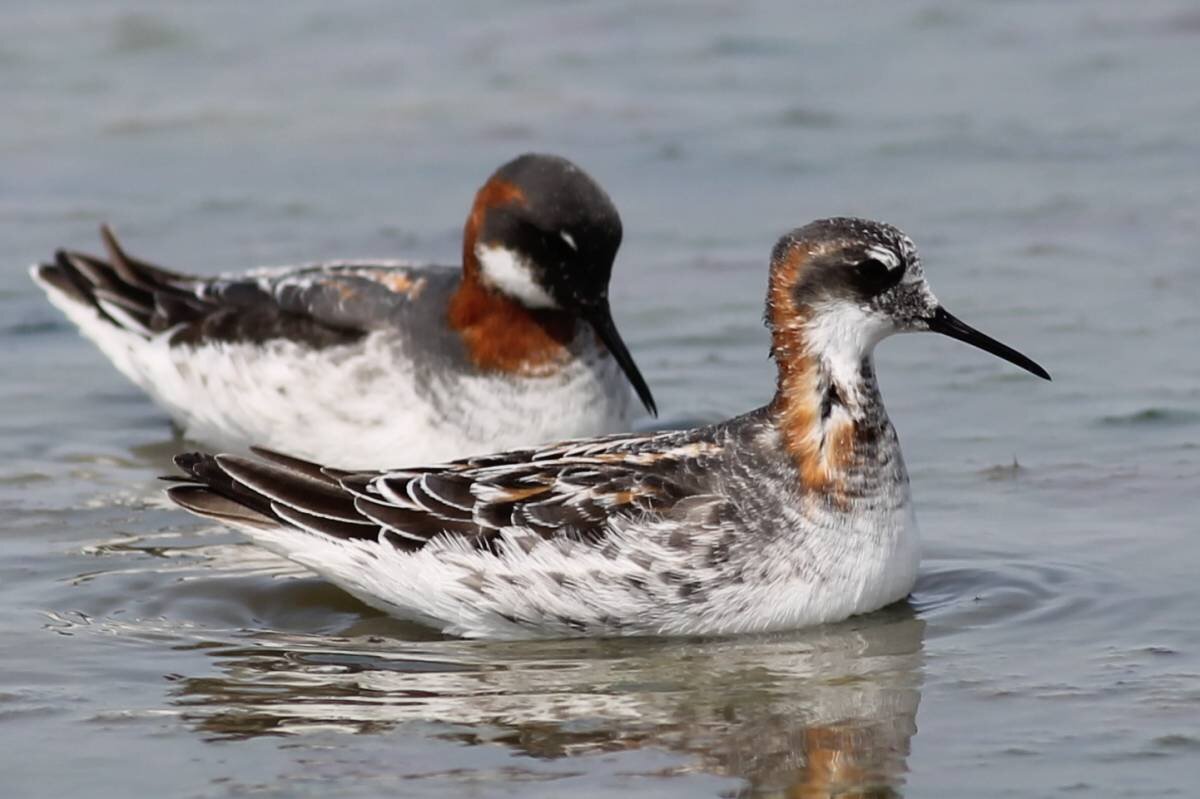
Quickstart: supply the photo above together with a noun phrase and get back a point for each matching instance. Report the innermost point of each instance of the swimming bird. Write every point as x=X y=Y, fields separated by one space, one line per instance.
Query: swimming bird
x=794 y=514
x=351 y=363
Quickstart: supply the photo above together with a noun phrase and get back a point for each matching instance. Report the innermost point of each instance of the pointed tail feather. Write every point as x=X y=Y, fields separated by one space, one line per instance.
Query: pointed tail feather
x=126 y=292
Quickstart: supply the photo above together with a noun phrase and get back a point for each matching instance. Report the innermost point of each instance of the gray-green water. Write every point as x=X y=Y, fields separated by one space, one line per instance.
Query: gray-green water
x=1043 y=155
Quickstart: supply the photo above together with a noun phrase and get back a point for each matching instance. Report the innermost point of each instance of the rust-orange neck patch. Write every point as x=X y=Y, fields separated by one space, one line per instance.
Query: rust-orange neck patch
x=500 y=333
x=821 y=445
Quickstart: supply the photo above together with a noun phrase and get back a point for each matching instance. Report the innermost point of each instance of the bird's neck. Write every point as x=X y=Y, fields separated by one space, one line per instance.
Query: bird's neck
x=827 y=406
x=499 y=333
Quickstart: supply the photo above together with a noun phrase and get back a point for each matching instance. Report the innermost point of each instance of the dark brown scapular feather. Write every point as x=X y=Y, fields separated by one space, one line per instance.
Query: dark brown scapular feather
x=433 y=503
x=61 y=279
x=138 y=313
x=414 y=524
x=496 y=514
x=291 y=488
x=335 y=528
x=63 y=267
x=450 y=489
x=204 y=474
x=174 y=308
x=134 y=271
x=96 y=273
x=309 y=469
x=582 y=516
x=206 y=502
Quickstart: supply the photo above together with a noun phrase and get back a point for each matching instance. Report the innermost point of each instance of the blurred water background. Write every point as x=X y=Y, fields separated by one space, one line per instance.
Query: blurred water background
x=1043 y=155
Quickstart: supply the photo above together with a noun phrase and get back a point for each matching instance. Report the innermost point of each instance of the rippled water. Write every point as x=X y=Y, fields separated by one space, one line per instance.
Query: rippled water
x=1043 y=156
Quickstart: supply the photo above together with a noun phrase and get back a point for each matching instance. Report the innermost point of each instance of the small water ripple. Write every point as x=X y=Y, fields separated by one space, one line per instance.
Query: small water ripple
x=1151 y=418
x=1013 y=595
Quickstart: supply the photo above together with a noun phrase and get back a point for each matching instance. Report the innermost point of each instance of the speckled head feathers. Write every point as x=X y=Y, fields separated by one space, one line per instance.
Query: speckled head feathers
x=841 y=285
x=866 y=274
x=847 y=260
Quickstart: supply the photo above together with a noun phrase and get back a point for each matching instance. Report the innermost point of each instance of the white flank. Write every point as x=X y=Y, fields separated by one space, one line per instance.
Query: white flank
x=527 y=591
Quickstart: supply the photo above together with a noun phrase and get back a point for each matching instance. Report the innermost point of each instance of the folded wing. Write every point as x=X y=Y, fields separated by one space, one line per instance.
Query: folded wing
x=576 y=490
x=321 y=305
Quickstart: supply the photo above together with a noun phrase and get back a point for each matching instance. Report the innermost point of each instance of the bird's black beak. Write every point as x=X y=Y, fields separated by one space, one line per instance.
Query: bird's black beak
x=600 y=318
x=950 y=325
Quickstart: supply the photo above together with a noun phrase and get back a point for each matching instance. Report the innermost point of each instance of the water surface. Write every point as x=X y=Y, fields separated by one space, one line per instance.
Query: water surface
x=1043 y=156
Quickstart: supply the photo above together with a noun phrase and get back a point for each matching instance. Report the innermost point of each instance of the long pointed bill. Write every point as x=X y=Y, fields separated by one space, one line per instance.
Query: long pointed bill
x=600 y=318
x=950 y=325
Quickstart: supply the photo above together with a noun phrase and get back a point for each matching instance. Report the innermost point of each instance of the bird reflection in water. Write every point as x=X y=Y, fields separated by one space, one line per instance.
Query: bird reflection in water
x=827 y=712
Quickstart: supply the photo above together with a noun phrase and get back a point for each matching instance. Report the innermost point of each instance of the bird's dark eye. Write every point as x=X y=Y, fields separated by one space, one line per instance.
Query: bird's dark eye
x=872 y=270
x=873 y=276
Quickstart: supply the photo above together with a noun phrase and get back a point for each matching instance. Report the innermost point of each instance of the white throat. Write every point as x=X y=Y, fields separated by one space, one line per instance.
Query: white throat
x=511 y=273
x=841 y=335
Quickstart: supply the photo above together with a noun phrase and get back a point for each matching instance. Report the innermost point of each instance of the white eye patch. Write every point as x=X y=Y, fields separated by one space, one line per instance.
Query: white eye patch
x=885 y=256
x=569 y=239
x=511 y=273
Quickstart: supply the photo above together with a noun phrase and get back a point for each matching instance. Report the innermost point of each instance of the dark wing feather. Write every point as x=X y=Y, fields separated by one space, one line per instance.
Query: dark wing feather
x=572 y=491
x=306 y=468
x=300 y=491
x=202 y=472
x=203 y=501
x=413 y=525
x=324 y=525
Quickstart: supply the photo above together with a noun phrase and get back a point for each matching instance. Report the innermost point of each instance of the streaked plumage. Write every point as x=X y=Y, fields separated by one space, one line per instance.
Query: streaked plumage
x=794 y=514
x=352 y=362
